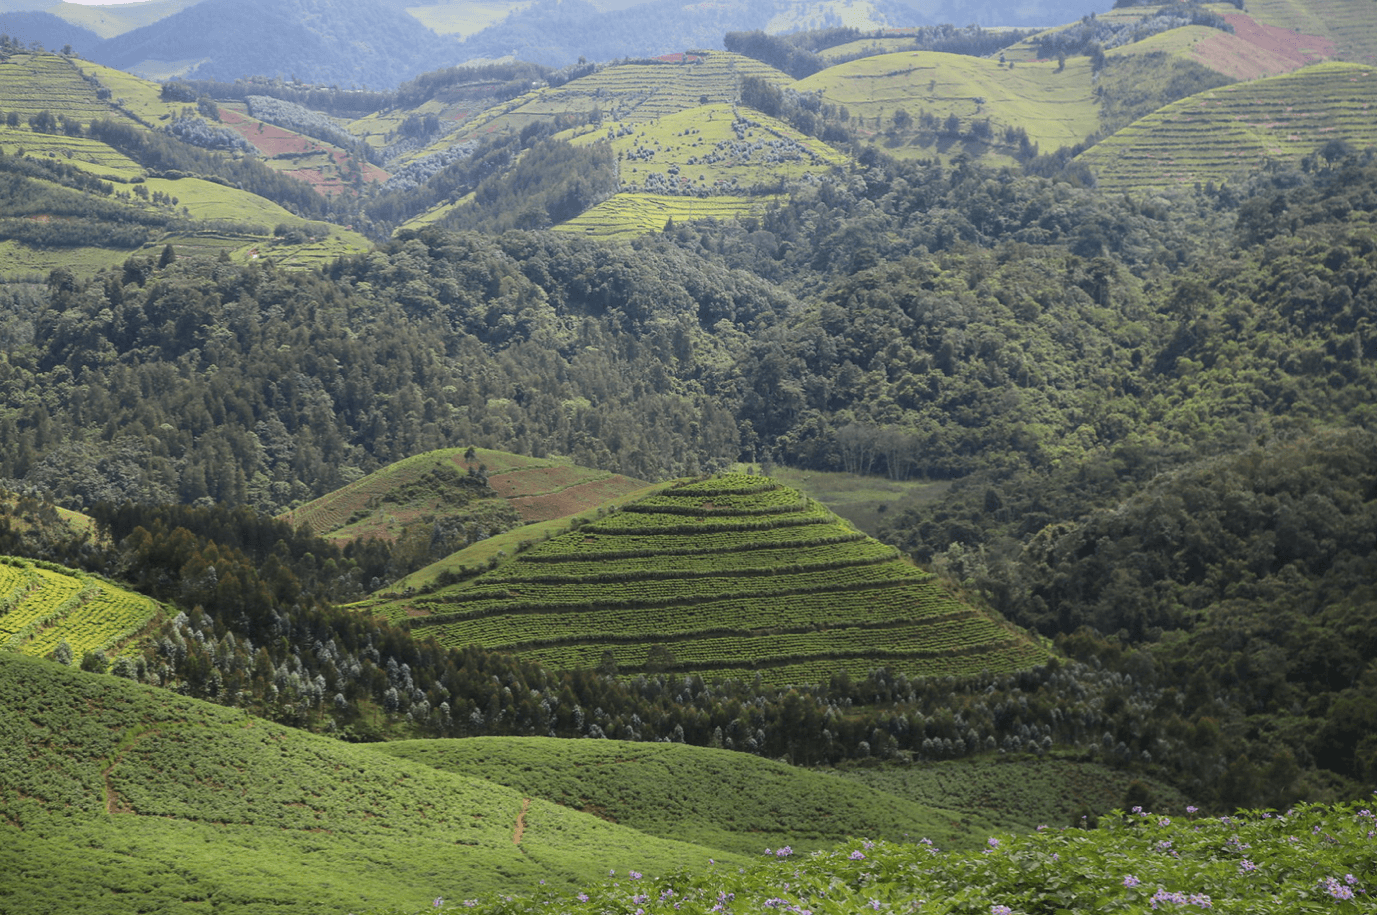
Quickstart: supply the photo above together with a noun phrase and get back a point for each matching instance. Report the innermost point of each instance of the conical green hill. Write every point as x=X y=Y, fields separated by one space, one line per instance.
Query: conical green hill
x=732 y=576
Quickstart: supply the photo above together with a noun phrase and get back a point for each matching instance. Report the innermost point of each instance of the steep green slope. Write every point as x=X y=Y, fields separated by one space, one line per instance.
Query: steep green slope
x=734 y=576
x=121 y=798
x=718 y=798
x=1220 y=134
x=43 y=606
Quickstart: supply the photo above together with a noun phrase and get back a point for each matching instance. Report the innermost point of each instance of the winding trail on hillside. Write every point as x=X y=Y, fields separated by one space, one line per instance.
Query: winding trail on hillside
x=521 y=821
x=111 y=798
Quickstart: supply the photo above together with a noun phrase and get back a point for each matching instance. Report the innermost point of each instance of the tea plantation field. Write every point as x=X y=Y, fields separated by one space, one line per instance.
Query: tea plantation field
x=719 y=798
x=1218 y=134
x=43 y=605
x=121 y=798
x=733 y=576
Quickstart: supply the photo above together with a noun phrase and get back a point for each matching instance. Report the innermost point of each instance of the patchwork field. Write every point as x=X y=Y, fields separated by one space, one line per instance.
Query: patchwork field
x=1350 y=24
x=1217 y=134
x=719 y=798
x=324 y=166
x=627 y=215
x=732 y=576
x=713 y=149
x=123 y=798
x=30 y=83
x=42 y=605
x=1055 y=108
x=422 y=489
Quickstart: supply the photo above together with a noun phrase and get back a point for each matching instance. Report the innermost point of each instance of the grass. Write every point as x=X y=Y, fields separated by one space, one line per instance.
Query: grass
x=30 y=83
x=1311 y=859
x=89 y=155
x=431 y=486
x=42 y=606
x=627 y=216
x=119 y=798
x=1350 y=24
x=1055 y=108
x=1017 y=791
x=1217 y=134
x=464 y=18
x=721 y=799
x=109 y=20
x=735 y=576
x=714 y=149
x=863 y=500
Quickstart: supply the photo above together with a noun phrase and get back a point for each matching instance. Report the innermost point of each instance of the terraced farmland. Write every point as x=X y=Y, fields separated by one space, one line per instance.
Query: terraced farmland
x=627 y=216
x=42 y=605
x=438 y=484
x=1055 y=108
x=734 y=576
x=1216 y=134
x=713 y=149
x=30 y=83
x=1350 y=24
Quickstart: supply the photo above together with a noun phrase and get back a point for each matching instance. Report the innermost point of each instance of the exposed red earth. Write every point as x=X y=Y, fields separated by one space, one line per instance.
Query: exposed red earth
x=273 y=141
x=1255 y=50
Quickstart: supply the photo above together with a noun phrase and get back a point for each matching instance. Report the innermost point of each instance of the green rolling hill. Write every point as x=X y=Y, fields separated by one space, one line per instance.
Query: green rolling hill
x=717 y=798
x=732 y=576
x=43 y=605
x=119 y=798
x=1219 y=134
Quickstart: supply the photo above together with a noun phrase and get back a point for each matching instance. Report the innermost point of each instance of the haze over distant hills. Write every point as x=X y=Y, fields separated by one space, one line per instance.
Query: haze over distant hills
x=366 y=43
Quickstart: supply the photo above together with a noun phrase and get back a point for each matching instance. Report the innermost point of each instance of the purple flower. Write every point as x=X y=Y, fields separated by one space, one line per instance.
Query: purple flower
x=992 y=842
x=635 y=875
x=857 y=856
x=1337 y=890
x=1350 y=879
x=1246 y=867
x=1001 y=910
x=784 y=852
x=583 y=897
x=1131 y=881
x=874 y=904
x=439 y=901
x=1191 y=809
x=1164 y=821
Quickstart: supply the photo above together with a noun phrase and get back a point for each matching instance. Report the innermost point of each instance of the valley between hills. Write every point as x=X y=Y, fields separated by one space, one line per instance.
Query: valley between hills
x=616 y=457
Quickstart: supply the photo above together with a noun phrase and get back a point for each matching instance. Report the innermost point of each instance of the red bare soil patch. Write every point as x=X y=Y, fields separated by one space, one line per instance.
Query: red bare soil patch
x=272 y=141
x=537 y=480
x=575 y=499
x=1255 y=50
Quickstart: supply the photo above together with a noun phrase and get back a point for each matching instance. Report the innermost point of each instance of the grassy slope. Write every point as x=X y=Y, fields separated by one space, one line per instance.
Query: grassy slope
x=109 y=20
x=1350 y=24
x=863 y=500
x=464 y=18
x=1216 y=134
x=727 y=580
x=1056 y=109
x=718 y=798
x=115 y=797
x=30 y=83
x=381 y=505
x=627 y=215
x=42 y=605
x=1018 y=792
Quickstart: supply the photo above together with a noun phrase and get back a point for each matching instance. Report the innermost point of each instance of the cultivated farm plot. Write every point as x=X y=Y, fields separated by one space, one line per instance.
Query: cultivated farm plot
x=1216 y=134
x=86 y=154
x=633 y=93
x=1350 y=24
x=136 y=95
x=630 y=215
x=733 y=576
x=42 y=606
x=30 y=83
x=1055 y=108
x=714 y=149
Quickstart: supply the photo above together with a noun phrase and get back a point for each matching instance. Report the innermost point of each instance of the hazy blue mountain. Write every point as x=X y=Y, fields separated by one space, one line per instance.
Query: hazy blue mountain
x=48 y=30
x=344 y=42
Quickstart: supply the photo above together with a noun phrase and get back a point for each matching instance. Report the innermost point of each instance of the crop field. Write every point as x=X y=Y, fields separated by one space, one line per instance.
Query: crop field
x=1019 y=791
x=259 y=817
x=1213 y=135
x=42 y=606
x=139 y=96
x=386 y=502
x=1056 y=109
x=627 y=216
x=713 y=149
x=634 y=92
x=1254 y=49
x=718 y=798
x=1350 y=24
x=30 y=83
x=89 y=155
x=322 y=165
x=731 y=576
x=862 y=499
x=464 y=18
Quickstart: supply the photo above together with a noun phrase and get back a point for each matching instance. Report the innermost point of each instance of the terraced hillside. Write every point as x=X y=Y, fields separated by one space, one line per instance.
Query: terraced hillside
x=119 y=798
x=732 y=576
x=43 y=605
x=628 y=215
x=1350 y=24
x=718 y=798
x=445 y=484
x=1055 y=107
x=1214 y=135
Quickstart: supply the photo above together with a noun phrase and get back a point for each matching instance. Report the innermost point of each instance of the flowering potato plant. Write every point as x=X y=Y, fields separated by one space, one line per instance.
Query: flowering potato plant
x=1310 y=859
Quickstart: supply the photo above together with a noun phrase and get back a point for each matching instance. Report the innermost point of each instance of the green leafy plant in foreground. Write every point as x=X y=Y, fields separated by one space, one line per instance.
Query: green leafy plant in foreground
x=1310 y=859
